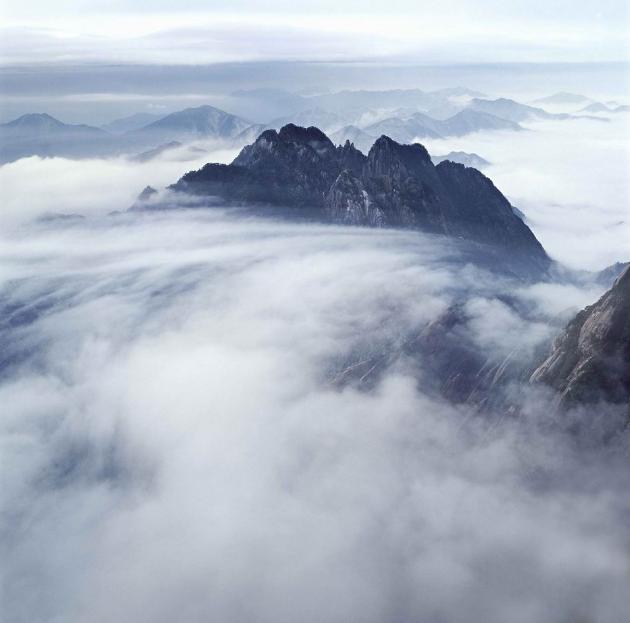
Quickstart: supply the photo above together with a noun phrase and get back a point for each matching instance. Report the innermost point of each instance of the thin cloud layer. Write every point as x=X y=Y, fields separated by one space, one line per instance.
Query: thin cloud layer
x=454 y=31
x=34 y=187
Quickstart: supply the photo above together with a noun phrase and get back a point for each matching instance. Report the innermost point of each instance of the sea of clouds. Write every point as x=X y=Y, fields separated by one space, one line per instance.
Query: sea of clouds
x=174 y=447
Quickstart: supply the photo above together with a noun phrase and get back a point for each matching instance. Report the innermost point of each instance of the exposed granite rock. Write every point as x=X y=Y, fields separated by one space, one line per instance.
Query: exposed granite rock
x=590 y=361
x=347 y=202
x=393 y=186
x=402 y=181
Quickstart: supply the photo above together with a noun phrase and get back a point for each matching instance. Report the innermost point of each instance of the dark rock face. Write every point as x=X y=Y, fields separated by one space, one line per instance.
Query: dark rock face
x=446 y=361
x=348 y=203
x=393 y=186
x=404 y=184
x=293 y=167
x=480 y=212
x=590 y=360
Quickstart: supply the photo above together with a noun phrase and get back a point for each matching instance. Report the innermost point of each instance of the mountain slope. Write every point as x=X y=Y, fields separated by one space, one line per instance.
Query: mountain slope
x=203 y=122
x=420 y=125
x=512 y=111
x=394 y=185
x=132 y=122
x=590 y=361
x=42 y=135
x=468 y=121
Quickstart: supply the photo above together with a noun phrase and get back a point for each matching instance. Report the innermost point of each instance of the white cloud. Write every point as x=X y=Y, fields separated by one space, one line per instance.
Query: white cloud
x=172 y=448
x=455 y=31
x=35 y=186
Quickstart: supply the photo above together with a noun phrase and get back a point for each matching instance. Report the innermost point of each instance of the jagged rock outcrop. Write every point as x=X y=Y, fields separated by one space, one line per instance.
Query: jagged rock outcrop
x=402 y=181
x=590 y=361
x=394 y=185
x=348 y=203
x=293 y=167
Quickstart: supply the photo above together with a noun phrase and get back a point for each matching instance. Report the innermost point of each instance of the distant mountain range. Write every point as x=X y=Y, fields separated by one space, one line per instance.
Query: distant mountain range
x=360 y=139
x=360 y=116
x=43 y=135
x=461 y=157
x=564 y=98
x=421 y=126
x=132 y=122
x=311 y=117
x=394 y=185
x=598 y=107
x=203 y=122
x=513 y=111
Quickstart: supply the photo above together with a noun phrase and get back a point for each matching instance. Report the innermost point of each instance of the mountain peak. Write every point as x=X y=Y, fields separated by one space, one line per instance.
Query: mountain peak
x=590 y=361
x=293 y=145
x=199 y=122
x=35 y=120
x=312 y=136
x=396 y=185
x=385 y=151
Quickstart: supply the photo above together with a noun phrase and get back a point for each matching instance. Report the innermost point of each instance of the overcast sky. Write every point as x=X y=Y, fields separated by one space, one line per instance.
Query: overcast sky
x=196 y=31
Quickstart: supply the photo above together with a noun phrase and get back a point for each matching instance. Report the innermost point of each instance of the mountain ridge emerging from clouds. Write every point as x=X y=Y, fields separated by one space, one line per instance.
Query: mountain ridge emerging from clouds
x=590 y=360
x=394 y=185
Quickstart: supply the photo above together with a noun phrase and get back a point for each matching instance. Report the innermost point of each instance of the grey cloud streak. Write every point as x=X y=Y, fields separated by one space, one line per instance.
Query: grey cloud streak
x=173 y=447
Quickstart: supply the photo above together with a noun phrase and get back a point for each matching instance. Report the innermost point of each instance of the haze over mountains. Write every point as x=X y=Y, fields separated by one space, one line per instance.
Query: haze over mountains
x=251 y=367
x=314 y=312
x=359 y=116
x=40 y=134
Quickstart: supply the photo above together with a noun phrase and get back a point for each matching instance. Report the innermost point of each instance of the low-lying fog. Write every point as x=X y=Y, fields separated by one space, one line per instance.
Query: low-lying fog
x=173 y=448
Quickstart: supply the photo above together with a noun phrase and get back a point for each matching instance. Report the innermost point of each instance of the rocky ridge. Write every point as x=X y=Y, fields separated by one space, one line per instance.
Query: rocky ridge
x=590 y=360
x=393 y=186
